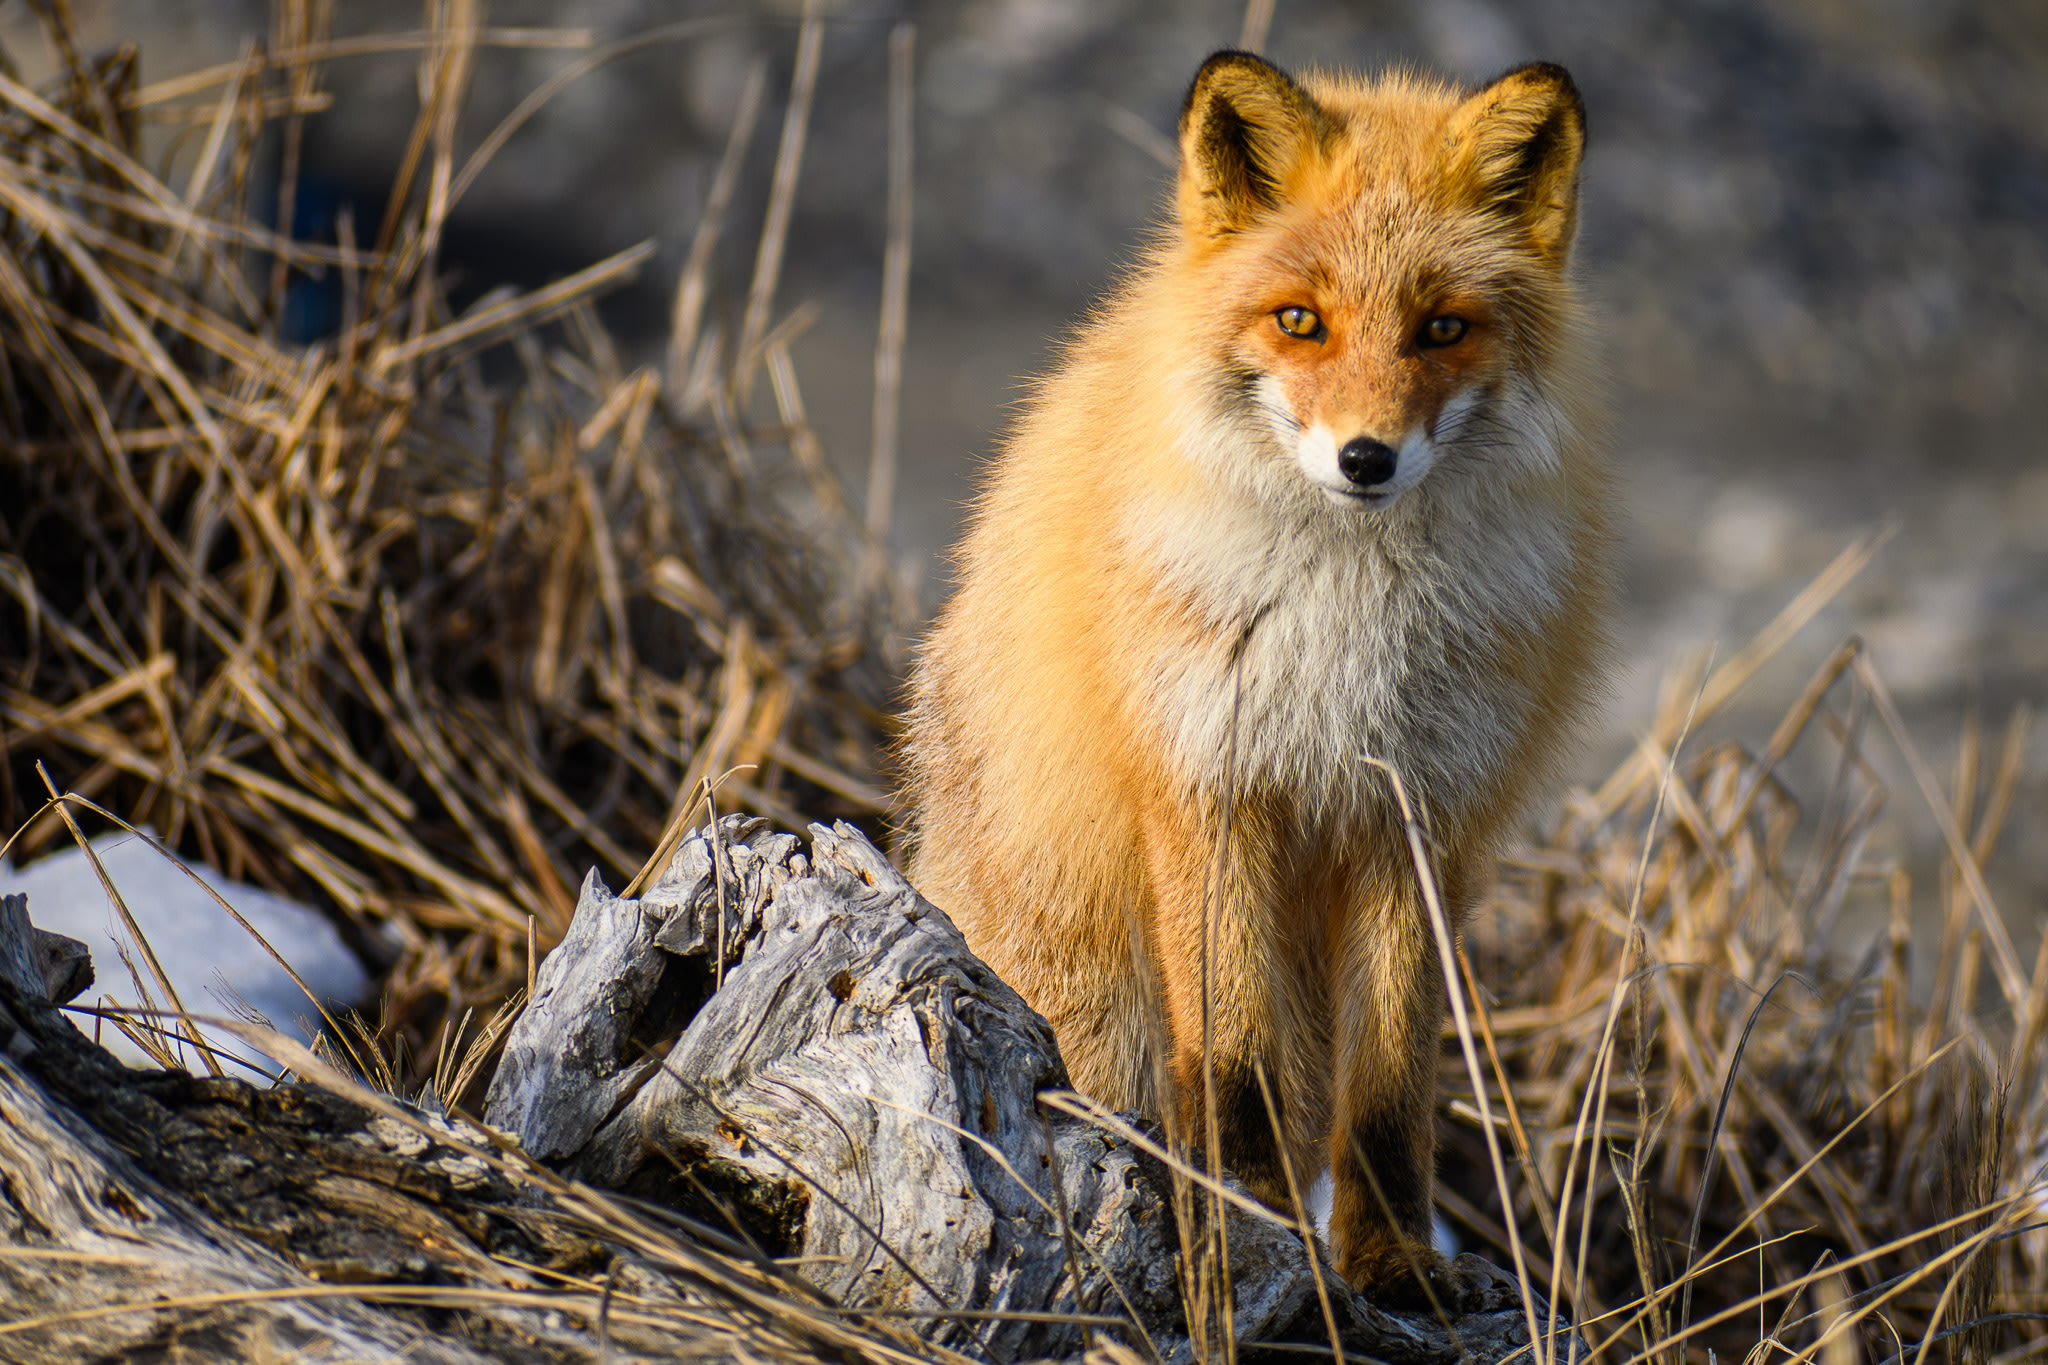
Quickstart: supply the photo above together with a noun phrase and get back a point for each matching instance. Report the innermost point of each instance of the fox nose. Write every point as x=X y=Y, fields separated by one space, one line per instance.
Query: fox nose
x=1366 y=462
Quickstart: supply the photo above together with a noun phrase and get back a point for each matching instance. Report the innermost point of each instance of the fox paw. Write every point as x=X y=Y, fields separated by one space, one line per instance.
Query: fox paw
x=1400 y=1276
x=1404 y=1277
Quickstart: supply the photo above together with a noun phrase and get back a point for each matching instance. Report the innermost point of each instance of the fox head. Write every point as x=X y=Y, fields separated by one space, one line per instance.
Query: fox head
x=1389 y=259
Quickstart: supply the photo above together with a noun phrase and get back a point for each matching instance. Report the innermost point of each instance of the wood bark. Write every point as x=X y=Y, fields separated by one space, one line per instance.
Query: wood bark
x=819 y=1116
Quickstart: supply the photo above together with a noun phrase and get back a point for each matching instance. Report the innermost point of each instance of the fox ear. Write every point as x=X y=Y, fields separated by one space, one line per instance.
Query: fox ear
x=1244 y=128
x=1515 y=147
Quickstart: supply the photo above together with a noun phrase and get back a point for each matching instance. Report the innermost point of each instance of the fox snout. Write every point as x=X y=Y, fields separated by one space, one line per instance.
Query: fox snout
x=1361 y=470
x=1367 y=462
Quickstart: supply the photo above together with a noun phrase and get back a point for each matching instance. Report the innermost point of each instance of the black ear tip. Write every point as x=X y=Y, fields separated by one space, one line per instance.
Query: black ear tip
x=1229 y=59
x=1545 y=74
x=1231 y=56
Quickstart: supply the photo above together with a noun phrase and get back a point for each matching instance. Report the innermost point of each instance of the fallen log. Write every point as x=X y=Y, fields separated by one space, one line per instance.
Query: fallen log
x=773 y=1106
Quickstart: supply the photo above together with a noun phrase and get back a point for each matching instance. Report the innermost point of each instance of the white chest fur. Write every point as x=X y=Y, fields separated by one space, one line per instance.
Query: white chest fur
x=1319 y=633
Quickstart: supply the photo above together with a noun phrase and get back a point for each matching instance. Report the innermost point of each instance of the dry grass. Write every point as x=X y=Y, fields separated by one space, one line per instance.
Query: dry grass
x=1745 y=1119
x=355 y=622
x=348 y=619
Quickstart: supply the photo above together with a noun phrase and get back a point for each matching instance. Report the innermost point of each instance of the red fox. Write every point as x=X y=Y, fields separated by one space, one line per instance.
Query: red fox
x=1320 y=480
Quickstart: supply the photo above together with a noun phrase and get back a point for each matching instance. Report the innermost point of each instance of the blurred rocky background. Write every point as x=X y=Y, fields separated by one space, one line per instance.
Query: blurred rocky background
x=1817 y=231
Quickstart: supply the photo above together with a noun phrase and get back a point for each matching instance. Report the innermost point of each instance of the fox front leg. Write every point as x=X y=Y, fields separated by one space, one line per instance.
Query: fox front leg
x=1390 y=1006
x=1216 y=950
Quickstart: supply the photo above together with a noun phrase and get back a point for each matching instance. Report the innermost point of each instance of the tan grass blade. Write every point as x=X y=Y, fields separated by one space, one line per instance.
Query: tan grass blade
x=693 y=285
x=360 y=45
x=789 y=158
x=2006 y=959
x=525 y=311
x=884 y=437
x=135 y=934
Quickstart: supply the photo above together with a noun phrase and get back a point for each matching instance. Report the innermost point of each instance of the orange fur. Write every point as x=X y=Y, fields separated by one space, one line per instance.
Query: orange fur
x=1189 y=602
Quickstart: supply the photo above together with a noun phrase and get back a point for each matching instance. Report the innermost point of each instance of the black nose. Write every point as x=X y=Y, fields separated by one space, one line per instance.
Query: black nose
x=1366 y=462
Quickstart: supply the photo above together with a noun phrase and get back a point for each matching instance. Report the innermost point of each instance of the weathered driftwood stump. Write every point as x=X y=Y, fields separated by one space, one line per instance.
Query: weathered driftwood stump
x=847 y=1084
x=789 y=1057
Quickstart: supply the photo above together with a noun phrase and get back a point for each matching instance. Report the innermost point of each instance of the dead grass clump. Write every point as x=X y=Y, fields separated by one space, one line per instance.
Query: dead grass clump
x=347 y=618
x=1744 y=1127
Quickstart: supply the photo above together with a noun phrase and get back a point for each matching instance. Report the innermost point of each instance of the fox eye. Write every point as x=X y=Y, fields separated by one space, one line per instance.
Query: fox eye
x=1299 y=322
x=1443 y=331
